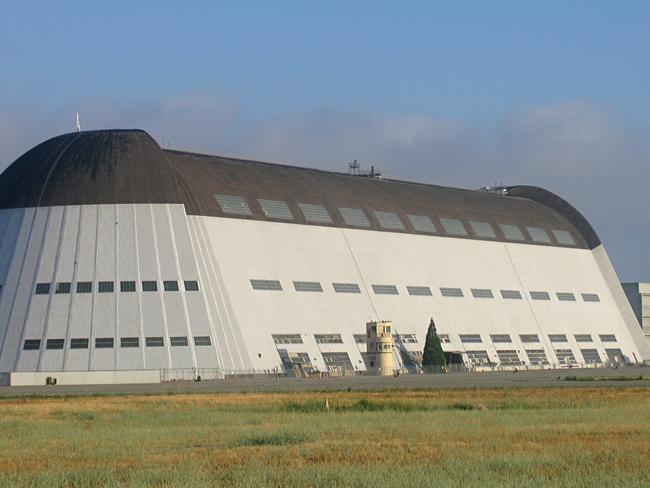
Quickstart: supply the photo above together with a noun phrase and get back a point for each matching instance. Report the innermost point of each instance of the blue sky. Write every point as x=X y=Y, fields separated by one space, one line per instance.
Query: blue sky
x=460 y=93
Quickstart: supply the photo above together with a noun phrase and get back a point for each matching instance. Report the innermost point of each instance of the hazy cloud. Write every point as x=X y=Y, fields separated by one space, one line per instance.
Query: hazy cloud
x=592 y=157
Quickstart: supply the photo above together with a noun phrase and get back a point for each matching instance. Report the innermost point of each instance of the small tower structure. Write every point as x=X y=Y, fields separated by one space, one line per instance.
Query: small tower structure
x=379 y=340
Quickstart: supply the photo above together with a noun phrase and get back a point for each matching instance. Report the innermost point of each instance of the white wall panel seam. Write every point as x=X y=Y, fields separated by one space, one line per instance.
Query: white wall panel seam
x=139 y=285
x=116 y=286
x=18 y=282
x=160 y=288
x=73 y=290
x=91 y=346
x=50 y=304
x=179 y=275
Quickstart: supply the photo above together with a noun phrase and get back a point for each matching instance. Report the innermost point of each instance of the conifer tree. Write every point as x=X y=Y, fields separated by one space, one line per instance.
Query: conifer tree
x=433 y=355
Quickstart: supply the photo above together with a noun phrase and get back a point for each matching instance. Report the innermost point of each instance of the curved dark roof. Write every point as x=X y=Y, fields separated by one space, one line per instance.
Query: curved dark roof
x=128 y=166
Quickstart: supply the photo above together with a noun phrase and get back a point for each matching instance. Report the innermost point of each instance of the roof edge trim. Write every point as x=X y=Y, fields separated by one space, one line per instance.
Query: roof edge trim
x=564 y=208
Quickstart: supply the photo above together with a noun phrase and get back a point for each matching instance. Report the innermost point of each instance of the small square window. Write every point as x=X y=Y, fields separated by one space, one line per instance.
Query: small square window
x=191 y=286
x=178 y=341
x=154 y=341
x=170 y=285
x=106 y=287
x=80 y=343
x=54 y=344
x=129 y=341
x=202 y=341
x=149 y=286
x=84 y=287
x=62 y=288
x=42 y=288
x=127 y=286
x=104 y=343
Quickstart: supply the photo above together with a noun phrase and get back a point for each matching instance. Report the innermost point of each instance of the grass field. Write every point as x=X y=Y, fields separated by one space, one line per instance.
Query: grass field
x=518 y=437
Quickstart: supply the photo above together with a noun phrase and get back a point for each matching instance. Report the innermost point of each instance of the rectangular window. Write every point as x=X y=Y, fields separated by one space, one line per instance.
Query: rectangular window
x=360 y=338
x=615 y=356
x=423 y=291
x=62 y=288
x=405 y=338
x=566 y=297
x=483 y=229
x=500 y=338
x=84 y=287
x=509 y=358
x=149 y=286
x=389 y=220
x=354 y=217
x=451 y=292
x=104 y=343
x=233 y=205
x=385 y=290
x=539 y=295
x=170 y=285
x=179 y=341
x=275 y=209
x=453 y=227
x=129 y=342
x=422 y=223
x=328 y=338
x=512 y=232
x=478 y=358
x=32 y=344
x=563 y=237
x=54 y=344
x=202 y=341
x=287 y=338
x=127 y=286
x=337 y=361
x=105 y=287
x=79 y=343
x=346 y=288
x=154 y=341
x=473 y=338
x=307 y=286
x=191 y=286
x=607 y=338
x=537 y=357
x=591 y=356
x=526 y=338
x=266 y=285
x=511 y=294
x=583 y=338
x=444 y=338
x=42 y=288
x=566 y=357
x=590 y=297
x=482 y=293
x=558 y=338
x=538 y=235
x=314 y=212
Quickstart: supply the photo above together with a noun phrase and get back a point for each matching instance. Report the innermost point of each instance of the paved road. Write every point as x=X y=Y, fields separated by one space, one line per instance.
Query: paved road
x=520 y=379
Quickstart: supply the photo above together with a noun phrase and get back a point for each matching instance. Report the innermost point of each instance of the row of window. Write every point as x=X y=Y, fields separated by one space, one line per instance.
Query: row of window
x=356 y=217
x=65 y=287
x=109 y=342
x=315 y=286
x=528 y=338
x=537 y=357
x=445 y=338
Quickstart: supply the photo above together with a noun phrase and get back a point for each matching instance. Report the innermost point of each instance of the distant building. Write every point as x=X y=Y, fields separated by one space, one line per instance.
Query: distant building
x=638 y=295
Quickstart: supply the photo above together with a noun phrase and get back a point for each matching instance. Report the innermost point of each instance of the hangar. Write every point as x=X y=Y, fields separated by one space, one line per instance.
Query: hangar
x=118 y=255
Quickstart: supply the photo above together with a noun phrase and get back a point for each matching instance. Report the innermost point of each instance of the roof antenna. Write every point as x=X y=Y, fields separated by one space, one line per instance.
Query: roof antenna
x=78 y=123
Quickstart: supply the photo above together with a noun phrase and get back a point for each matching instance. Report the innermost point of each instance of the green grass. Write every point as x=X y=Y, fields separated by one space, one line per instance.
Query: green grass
x=606 y=378
x=546 y=437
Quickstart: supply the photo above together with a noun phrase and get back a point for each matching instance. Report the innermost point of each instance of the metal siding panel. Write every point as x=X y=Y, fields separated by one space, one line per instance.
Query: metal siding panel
x=164 y=243
x=146 y=250
x=126 y=244
x=184 y=250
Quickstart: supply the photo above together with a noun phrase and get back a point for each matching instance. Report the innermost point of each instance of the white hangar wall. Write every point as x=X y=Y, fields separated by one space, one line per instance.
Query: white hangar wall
x=132 y=244
x=288 y=252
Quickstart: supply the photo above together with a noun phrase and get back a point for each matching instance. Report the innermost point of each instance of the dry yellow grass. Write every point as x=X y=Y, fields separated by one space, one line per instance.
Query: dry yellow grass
x=537 y=437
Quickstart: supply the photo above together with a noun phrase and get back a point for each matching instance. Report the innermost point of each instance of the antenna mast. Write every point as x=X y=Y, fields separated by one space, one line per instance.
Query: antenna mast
x=78 y=123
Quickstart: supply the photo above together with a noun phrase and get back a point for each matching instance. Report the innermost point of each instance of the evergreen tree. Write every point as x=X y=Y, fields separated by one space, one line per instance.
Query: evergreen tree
x=433 y=356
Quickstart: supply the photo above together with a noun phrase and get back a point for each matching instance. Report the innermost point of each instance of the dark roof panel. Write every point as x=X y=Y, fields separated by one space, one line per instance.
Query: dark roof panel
x=128 y=166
